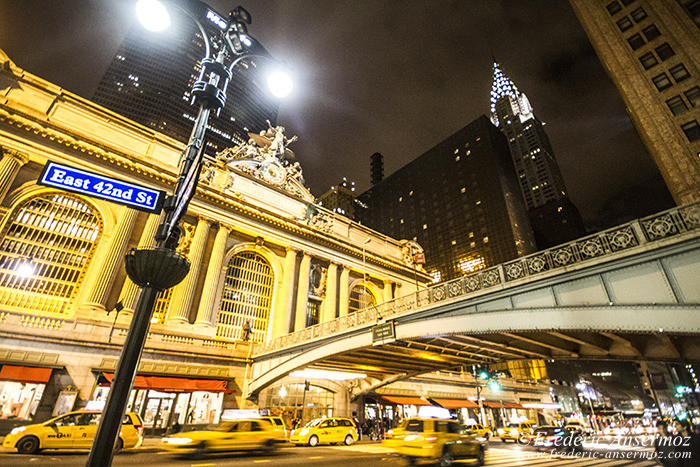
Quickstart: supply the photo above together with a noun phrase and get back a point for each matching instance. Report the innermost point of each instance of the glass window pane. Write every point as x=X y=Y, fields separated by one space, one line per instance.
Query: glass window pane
x=662 y=81
x=624 y=24
x=246 y=298
x=691 y=130
x=693 y=96
x=651 y=32
x=677 y=105
x=665 y=51
x=613 y=7
x=636 y=41
x=638 y=14
x=648 y=60
x=679 y=72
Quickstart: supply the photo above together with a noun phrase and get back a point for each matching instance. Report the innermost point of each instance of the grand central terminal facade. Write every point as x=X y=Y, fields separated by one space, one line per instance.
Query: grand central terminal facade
x=265 y=261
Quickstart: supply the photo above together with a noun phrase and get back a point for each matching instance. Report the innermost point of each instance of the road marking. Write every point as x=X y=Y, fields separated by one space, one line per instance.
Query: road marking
x=201 y=465
x=260 y=461
x=316 y=457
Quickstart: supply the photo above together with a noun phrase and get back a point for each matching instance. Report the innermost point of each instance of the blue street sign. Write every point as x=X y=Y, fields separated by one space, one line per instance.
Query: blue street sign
x=100 y=186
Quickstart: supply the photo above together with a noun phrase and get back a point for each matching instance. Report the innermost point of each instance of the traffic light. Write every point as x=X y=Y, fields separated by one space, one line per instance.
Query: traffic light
x=484 y=374
x=494 y=385
x=307 y=386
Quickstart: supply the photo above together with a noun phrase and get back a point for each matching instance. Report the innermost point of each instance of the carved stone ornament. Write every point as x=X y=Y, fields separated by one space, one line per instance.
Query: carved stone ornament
x=317 y=281
x=266 y=157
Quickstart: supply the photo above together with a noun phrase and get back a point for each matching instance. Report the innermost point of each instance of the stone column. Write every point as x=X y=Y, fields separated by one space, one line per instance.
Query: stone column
x=206 y=313
x=184 y=292
x=130 y=291
x=328 y=310
x=302 y=292
x=282 y=316
x=344 y=291
x=10 y=164
x=387 y=291
x=108 y=262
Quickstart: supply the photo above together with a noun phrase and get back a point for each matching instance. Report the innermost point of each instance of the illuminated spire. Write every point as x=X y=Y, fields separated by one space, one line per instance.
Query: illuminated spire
x=504 y=87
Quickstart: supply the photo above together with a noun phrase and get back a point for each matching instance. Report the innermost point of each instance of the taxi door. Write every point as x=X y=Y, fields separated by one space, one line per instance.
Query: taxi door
x=86 y=430
x=60 y=433
x=325 y=432
x=233 y=439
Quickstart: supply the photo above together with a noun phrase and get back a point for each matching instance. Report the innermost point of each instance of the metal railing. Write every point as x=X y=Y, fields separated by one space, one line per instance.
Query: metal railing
x=653 y=228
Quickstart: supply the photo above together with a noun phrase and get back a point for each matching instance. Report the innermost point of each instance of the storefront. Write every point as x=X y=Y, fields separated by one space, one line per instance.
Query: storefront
x=21 y=390
x=298 y=401
x=163 y=400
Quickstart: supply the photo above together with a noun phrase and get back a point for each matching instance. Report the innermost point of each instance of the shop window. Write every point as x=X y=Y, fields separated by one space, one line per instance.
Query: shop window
x=679 y=72
x=361 y=298
x=677 y=105
x=19 y=401
x=665 y=51
x=662 y=81
x=648 y=60
x=624 y=24
x=693 y=96
x=638 y=14
x=44 y=252
x=691 y=130
x=636 y=41
x=613 y=7
x=287 y=398
x=246 y=297
x=651 y=32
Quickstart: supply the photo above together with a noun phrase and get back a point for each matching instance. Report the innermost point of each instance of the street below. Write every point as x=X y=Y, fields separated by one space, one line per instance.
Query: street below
x=361 y=454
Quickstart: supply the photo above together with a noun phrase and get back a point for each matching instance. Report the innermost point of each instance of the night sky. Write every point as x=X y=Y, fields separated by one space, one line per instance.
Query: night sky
x=395 y=77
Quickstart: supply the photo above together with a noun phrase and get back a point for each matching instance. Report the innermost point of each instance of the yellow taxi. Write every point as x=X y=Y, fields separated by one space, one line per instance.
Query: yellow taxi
x=326 y=430
x=232 y=435
x=519 y=432
x=480 y=431
x=277 y=425
x=74 y=430
x=435 y=440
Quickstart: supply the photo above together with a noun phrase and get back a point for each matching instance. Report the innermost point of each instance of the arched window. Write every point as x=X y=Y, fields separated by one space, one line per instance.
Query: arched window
x=361 y=297
x=247 y=297
x=45 y=249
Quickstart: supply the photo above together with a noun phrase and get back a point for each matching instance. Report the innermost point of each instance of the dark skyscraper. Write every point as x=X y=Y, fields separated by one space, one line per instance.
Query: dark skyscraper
x=460 y=200
x=151 y=76
x=553 y=217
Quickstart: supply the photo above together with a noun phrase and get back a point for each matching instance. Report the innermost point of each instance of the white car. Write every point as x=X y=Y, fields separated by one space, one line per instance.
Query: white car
x=578 y=425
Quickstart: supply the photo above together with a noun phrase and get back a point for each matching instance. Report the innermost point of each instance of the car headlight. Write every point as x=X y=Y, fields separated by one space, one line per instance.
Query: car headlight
x=500 y=431
x=303 y=431
x=177 y=440
x=18 y=429
x=514 y=432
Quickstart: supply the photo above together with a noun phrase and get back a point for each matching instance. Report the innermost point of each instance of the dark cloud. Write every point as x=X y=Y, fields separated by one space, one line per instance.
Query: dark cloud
x=394 y=76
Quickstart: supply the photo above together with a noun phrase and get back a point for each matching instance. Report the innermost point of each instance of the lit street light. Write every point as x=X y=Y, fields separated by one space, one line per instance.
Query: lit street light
x=160 y=268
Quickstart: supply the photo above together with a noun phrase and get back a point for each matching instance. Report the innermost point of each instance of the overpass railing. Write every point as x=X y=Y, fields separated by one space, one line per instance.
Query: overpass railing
x=666 y=224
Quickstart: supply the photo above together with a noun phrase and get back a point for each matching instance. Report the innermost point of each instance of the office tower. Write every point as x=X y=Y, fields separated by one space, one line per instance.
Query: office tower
x=376 y=167
x=151 y=76
x=553 y=217
x=340 y=199
x=651 y=51
x=460 y=200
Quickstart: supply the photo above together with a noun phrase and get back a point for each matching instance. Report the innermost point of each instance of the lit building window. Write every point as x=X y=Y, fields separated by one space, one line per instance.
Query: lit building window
x=246 y=297
x=471 y=234
x=436 y=276
x=472 y=244
x=425 y=226
x=463 y=190
x=471 y=265
x=486 y=239
x=45 y=249
x=454 y=242
x=360 y=298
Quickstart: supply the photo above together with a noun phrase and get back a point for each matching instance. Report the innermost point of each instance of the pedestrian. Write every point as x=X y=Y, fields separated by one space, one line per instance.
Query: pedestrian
x=687 y=454
x=177 y=428
x=663 y=445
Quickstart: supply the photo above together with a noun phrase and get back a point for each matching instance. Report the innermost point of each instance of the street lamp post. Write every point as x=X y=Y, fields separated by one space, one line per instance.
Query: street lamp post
x=160 y=268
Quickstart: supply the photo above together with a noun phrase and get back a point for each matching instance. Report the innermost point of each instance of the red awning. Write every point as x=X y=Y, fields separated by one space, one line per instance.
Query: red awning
x=456 y=403
x=172 y=384
x=25 y=374
x=511 y=405
x=402 y=400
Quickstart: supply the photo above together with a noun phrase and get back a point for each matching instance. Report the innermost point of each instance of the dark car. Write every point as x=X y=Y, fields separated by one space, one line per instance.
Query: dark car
x=558 y=438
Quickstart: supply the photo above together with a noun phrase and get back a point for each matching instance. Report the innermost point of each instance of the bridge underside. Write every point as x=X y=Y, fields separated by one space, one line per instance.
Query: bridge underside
x=451 y=351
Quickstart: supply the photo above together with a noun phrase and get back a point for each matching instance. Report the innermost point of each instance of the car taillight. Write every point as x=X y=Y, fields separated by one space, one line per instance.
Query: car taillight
x=139 y=429
x=387 y=436
x=431 y=439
